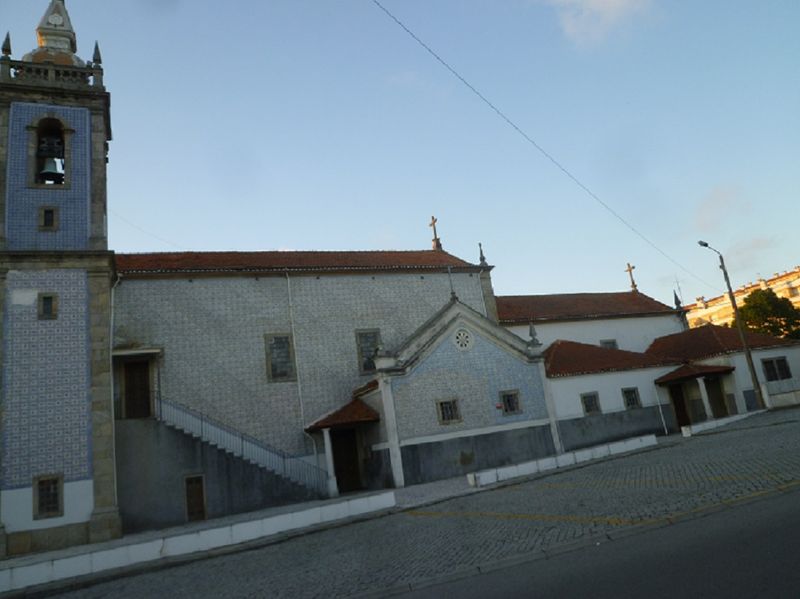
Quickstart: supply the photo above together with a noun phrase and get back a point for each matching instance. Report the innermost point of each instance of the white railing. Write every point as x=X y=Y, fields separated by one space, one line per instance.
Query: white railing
x=783 y=386
x=241 y=445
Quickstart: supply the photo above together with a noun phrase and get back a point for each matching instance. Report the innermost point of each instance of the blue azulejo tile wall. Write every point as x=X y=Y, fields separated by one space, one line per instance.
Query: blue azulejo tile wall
x=46 y=392
x=23 y=201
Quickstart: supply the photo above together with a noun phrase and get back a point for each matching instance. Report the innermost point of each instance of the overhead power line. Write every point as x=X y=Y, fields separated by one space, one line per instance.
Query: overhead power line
x=533 y=142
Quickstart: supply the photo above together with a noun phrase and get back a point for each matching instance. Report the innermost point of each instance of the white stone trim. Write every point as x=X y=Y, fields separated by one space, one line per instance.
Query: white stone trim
x=142 y=351
x=491 y=476
x=469 y=433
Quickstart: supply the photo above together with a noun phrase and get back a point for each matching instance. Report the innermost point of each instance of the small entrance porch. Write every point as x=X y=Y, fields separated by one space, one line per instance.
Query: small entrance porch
x=342 y=434
x=697 y=393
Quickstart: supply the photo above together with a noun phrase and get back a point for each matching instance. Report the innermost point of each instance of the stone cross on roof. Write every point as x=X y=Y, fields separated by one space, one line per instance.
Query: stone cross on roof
x=630 y=270
x=437 y=243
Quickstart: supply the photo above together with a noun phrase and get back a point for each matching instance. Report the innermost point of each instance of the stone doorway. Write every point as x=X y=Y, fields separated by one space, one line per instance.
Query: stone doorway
x=679 y=405
x=346 y=462
x=137 y=396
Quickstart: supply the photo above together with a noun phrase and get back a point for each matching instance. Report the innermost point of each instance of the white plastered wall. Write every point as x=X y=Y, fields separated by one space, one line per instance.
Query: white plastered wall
x=608 y=385
x=631 y=334
x=16 y=507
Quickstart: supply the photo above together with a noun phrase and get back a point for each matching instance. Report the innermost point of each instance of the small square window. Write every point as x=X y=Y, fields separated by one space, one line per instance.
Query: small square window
x=609 y=343
x=280 y=359
x=591 y=403
x=48 y=306
x=368 y=343
x=448 y=412
x=510 y=402
x=632 y=399
x=48 y=218
x=48 y=497
x=776 y=369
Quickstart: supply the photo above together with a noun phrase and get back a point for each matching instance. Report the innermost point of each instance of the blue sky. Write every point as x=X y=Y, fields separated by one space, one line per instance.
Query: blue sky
x=312 y=124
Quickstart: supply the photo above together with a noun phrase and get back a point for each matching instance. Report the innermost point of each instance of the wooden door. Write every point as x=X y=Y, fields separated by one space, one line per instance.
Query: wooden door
x=679 y=403
x=716 y=398
x=345 y=459
x=195 y=499
x=137 y=389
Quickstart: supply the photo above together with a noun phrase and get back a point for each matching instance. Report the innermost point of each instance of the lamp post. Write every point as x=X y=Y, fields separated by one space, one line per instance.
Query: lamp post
x=740 y=325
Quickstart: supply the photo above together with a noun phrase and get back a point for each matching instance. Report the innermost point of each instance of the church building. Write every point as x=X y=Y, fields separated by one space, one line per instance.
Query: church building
x=141 y=391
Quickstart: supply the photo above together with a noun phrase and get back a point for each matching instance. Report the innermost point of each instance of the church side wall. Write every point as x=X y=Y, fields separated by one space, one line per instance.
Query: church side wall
x=631 y=334
x=615 y=421
x=212 y=334
x=484 y=436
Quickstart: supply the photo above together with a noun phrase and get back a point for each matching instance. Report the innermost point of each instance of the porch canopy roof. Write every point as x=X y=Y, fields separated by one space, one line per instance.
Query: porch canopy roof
x=691 y=371
x=355 y=412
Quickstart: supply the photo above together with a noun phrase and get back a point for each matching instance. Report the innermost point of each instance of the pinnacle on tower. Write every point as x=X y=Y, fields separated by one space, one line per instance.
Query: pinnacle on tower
x=55 y=29
x=97 y=58
x=7 y=45
x=56 y=38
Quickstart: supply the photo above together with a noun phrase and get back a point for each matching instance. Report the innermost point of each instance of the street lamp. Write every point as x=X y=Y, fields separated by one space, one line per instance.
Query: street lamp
x=740 y=326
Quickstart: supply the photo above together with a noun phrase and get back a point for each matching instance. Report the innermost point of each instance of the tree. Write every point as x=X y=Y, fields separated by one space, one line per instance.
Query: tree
x=765 y=312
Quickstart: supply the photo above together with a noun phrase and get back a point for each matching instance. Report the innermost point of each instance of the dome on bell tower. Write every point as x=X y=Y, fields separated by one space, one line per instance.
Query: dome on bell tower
x=57 y=43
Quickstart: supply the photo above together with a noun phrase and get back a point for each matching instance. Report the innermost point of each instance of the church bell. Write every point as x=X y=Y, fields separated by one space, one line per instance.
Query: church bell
x=50 y=172
x=51 y=150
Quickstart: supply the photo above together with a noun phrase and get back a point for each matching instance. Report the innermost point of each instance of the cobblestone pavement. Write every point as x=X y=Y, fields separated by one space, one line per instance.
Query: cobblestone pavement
x=754 y=457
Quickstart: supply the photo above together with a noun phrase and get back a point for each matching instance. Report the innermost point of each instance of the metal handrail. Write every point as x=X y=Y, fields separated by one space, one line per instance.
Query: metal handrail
x=239 y=444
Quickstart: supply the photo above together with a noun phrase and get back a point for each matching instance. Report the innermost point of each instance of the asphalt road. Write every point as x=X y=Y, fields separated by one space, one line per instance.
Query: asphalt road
x=751 y=550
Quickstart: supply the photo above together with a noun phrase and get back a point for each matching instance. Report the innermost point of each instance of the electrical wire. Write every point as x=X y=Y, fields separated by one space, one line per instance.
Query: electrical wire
x=148 y=233
x=533 y=142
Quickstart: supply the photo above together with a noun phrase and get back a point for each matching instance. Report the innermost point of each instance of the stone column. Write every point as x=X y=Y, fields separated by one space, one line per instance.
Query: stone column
x=551 y=407
x=393 y=436
x=105 y=523
x=3 y=545
x=701 y=383
x=333 y=487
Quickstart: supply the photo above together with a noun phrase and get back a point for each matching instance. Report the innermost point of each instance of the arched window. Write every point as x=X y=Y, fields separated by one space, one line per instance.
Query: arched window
x=50 y=165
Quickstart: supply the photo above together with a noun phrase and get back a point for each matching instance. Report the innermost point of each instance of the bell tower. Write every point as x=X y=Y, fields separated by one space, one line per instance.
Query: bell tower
x=57 y=472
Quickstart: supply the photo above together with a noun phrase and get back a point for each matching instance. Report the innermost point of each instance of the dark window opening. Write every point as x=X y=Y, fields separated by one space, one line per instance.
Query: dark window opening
x=631 y=397
x=449 y=412
x=280 y=359
x=510 y=402
x=776 y=369
x=48 y=306
x=48 y=219
x=48 y=497
x=50 y=163
x=368 y=344
x=591 y=403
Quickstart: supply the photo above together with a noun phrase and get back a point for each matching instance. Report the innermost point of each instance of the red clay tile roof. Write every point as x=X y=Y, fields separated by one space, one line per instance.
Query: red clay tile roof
x=355 y=412
x=576 y=306
x=569 y=358
x=709 y=340
x=215 y=262
x=691 y=371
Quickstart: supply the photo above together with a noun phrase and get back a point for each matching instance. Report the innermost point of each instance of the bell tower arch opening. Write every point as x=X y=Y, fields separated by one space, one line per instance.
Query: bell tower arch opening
x=50 y=156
